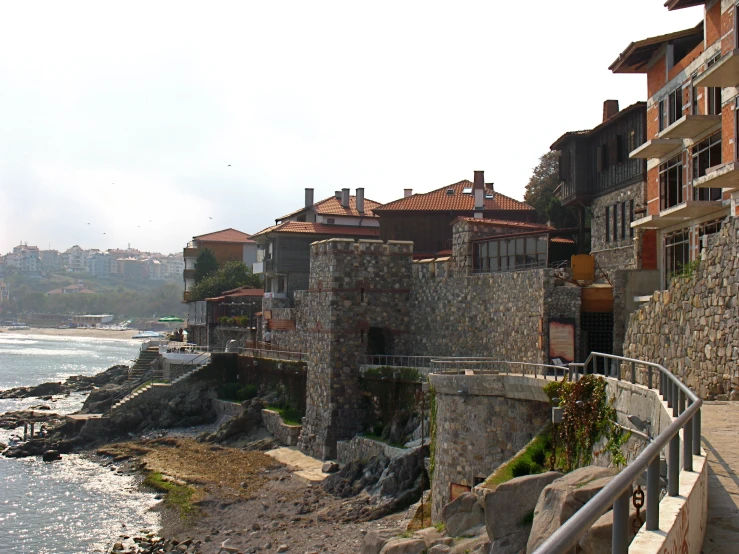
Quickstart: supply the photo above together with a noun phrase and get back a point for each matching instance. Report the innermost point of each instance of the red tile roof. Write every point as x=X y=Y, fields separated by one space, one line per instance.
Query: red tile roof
x=227 y=235
x=506 y=223
x=321 y=229
x=238 y=293
x=441 y=200
x=332 y=206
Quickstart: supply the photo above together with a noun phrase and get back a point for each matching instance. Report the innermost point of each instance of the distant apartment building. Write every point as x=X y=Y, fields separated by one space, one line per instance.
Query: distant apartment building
x=74 y=260
x=24 y=259
x=426 y=218
x=51 y=260
x=132 y=269
x=283 y=257
x=99 y=264
x=4 y=293
x=72 y=289
x=595 y=171
x=175 y=266
x=227 y=245
x=691 y=135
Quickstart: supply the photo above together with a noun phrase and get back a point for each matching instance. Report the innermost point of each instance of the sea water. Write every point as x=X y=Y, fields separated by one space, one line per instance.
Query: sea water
x=73 y=505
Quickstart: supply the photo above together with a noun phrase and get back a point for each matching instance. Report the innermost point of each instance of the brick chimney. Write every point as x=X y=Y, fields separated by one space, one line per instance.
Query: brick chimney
x=308 y=198
x=610 y=108
x=345 y=198
x=479 y=192
x=407 y=193
x=337 y=194
x=360 y=200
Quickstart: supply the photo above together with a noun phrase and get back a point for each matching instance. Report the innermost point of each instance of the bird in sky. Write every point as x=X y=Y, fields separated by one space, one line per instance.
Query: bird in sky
x=88 y=223
x=229 y=165
x=208 y=218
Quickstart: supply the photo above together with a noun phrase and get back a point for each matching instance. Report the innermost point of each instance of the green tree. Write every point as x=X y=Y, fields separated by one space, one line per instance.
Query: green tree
x=205 y=265
x=231 y=276
x=540 y=194
x=33 y=302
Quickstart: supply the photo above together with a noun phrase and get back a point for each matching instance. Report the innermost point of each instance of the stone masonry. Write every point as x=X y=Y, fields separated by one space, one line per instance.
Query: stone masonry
x=693 y=327
x=354 y=286
x=619 y=253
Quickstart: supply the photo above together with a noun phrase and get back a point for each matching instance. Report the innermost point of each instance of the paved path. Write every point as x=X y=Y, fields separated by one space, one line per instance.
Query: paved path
x=306 y=467
x=720 y=422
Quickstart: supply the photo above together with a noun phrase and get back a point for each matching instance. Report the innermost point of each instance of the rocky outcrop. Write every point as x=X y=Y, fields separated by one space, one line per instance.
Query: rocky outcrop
x=76 y=383
x=562 y=498
x=462 y=514
x=248 y=421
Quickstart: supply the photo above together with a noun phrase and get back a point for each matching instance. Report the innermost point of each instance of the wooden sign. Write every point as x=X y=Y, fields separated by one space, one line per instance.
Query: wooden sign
x=562 y=340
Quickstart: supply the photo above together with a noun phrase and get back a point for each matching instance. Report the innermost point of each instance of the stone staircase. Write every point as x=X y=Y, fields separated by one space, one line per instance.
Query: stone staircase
x=143 y=363
x=150 y=385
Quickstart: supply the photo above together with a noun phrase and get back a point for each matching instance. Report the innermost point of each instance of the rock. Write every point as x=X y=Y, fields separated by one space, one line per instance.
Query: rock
x=508 y=504
x=598 y=539
x=118 y=546
x=440 y=549
x=51 y=455
x=432 y=537
x=512 y=543
x=562 y=498
x=461 y=514
x=282 y=548
x=330 y=467
x=374 y=541
x=476 y=545
x=404 y=546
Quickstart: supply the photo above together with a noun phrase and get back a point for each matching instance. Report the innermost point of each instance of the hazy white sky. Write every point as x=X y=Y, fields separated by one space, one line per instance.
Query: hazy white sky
x=128 y=117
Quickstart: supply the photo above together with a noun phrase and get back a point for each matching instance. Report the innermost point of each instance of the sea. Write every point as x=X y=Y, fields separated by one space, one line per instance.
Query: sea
x=74 y=505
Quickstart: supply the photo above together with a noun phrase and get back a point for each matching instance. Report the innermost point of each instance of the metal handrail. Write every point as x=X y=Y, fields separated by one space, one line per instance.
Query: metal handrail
x=616 y=493
x=491 y=364
x=397 y=360
x=140 y=381
x=285 y=355
x=194 y=362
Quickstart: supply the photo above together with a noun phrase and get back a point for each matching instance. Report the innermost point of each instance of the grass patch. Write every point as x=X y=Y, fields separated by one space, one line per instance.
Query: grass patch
x=289 y=415
x=534 y=459
x=178 y=497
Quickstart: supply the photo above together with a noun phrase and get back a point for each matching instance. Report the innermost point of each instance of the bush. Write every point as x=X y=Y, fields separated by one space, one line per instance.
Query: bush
x=225 y=320
x=237 y=392
x=538 y=455
x=522 y=467
x=242 y=320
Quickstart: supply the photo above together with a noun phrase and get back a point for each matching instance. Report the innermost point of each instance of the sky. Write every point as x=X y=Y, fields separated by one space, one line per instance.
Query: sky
x=147 y=123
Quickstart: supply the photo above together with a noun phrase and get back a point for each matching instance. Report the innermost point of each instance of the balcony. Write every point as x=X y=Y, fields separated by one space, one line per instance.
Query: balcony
x=690 y=126
x=190 y=252
x=656 y=148
x=724 y=176
x=724 y=73
x=691 y=209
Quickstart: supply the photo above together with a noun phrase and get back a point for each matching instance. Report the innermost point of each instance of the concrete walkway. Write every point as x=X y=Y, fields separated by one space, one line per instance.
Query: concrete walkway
x=720 y=422
x=305 y=466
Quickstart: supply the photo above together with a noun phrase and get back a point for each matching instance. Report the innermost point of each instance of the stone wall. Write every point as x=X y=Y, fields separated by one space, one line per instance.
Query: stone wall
x=362 y=448
x=481 y=422
x=621 y=253
x=286 y=434
x=354 y=287
x=693 y=327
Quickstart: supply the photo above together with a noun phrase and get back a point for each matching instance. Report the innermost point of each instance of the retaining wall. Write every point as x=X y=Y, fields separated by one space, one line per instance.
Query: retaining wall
x=362 y=448
x=286 y=434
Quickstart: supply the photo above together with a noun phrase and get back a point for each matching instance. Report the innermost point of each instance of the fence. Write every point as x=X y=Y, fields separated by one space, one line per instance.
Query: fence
x=273 y=354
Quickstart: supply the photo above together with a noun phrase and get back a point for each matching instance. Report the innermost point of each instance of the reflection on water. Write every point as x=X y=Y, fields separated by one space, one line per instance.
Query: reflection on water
x=73 y=505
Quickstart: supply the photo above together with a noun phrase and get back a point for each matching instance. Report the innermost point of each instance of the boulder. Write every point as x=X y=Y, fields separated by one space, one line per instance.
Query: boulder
x=461 y=514
x=330 y=467
x=512 y=543
x=598 y=539
x=562 y=498
x=440 y=549
x=475 y=545
x=508 y=505
x=432 y=537
x=375 y=540
x=51 y=455
x=404 y=546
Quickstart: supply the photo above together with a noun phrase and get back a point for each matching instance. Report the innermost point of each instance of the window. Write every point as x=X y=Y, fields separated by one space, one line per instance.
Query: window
x=693 y=95
x=631 y=217
x=671 y=183
x=707 y=229
x=615 y=222
x=330 y=220
x=510 y=254
x=601 y=158
x=608 y=224
x=632 y=141
x=661 y=115
x=623 y=220
x=281 y=281
x=714 y=93
x=706 y=154
x=675 y=105
x=677 y=253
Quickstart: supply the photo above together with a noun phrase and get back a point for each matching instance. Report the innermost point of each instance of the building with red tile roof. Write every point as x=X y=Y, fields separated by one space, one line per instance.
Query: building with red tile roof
x=426 y=218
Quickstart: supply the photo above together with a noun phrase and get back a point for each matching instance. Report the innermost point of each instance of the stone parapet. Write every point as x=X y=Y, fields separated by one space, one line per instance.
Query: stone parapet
x=286 y=434
x=363 y=448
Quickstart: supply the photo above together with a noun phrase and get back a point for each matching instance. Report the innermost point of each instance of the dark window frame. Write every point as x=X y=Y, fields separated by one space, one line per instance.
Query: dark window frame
x=631 y=217
x=675 y=105
x=677 y=253
x=623 y=220
x=608 y=224
x=706 y=154
x=615 y=222
x=671 y=195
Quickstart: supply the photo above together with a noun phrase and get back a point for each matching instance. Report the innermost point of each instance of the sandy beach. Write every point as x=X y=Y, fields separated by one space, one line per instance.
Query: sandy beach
x=95 y=333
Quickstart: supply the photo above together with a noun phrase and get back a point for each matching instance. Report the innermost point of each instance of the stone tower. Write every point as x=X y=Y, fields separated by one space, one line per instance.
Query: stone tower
x=357 y=303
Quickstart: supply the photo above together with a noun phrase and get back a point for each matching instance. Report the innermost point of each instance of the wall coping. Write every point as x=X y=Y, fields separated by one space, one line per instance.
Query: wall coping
x=517 y=387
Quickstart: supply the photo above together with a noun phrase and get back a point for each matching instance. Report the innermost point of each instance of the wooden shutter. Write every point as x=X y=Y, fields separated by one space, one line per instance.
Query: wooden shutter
x=599 y=159
x=613 y=157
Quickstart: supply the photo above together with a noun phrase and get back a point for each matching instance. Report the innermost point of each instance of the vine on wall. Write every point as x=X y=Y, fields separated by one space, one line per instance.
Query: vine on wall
x=588 y=416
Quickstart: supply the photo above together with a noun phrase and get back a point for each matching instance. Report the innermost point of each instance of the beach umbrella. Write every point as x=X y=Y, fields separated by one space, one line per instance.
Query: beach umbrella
x=171 y=319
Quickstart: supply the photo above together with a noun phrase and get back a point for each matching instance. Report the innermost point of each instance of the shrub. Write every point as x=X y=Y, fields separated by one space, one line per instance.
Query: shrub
x=522 y=467
x=225 y=320
x=538 y=455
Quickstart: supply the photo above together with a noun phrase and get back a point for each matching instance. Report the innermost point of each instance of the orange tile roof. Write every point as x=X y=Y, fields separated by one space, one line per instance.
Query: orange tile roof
x=303 y=227
x=226 y=235
x=506 y=223
x=440 y=200
x=332 y=206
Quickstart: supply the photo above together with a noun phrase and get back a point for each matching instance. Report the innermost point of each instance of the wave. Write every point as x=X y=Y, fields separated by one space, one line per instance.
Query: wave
x=45 y=352
x=17 y=341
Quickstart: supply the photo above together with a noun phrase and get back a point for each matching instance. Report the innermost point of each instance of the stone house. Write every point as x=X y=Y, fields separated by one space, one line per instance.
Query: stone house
x=691 y=132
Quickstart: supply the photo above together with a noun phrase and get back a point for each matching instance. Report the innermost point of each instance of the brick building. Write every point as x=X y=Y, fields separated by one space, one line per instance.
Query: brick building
x=596 y=172
x=692 y=167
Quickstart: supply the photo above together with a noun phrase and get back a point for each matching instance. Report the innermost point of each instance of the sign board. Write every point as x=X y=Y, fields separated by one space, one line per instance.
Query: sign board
x=562 y=340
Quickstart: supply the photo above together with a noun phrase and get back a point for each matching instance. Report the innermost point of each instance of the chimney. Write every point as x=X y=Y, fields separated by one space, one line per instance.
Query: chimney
x=610 y=108
x=345 y=198
x=360 y=200
x=407 y=193
x=308 y=198
x=479 y=191
x=337 y=194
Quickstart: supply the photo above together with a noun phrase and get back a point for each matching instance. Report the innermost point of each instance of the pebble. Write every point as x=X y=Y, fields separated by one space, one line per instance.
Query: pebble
x=282 y=548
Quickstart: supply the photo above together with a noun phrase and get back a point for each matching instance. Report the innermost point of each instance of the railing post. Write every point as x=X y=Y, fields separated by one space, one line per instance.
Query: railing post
x=680 y=401
x=673 y=466
x=661 y=384
x=676 y=393
x=620 y=536
x=633 y=373
x=616 y=369
x=688 y=444
x=653 y=495
x=668 y=391
x=697 y=433
x=649 y=376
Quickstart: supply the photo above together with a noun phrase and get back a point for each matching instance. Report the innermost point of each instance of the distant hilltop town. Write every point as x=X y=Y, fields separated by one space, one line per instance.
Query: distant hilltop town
x=130 y=264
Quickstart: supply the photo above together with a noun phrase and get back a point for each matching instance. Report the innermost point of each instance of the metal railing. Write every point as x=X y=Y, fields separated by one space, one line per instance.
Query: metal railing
x=685 y=407
x=273 y=354
x=398 y=360
x=145 y=378
x=492 y=365
x=176 y=371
